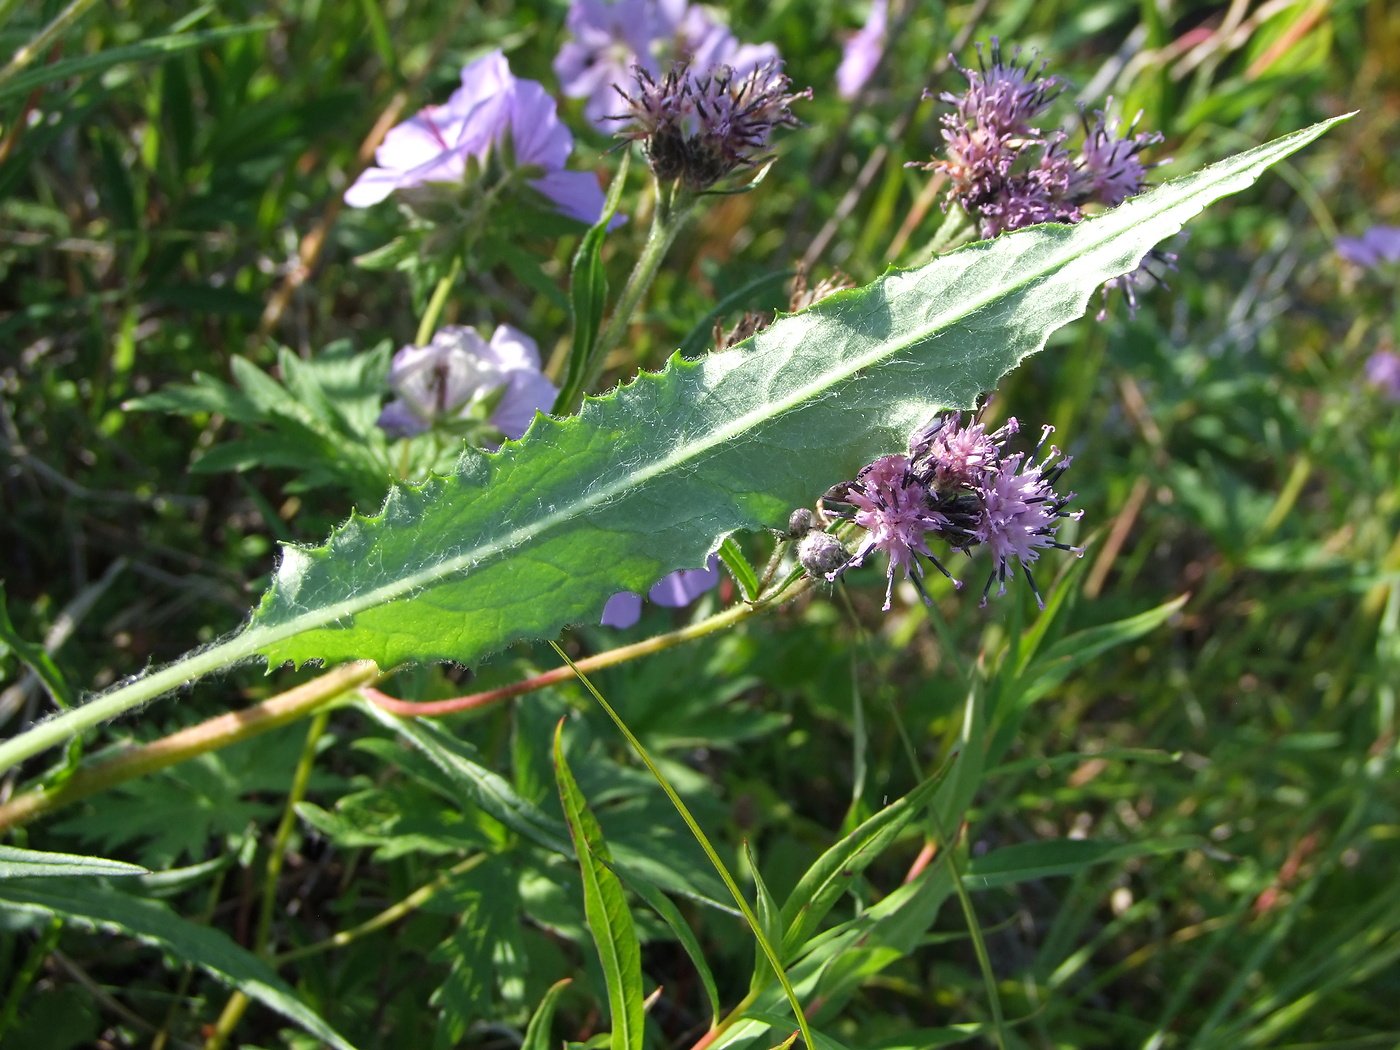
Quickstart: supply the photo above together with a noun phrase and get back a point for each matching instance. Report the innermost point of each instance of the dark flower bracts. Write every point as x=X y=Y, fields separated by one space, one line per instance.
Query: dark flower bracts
x=957 y=485
x=696 y=128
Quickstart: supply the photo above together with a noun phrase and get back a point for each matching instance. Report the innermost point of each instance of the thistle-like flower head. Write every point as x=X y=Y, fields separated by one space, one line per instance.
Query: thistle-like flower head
x=1110 y=169
x=698 y=128
x=892 y=505
x=1021 y=513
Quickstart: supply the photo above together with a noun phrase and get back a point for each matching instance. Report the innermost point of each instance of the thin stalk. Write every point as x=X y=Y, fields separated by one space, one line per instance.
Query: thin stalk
x=734 y=1015
x=24 y=976
x=237 y=1003
x=118 y=701
x=622 y=654
x=437 y=302
x=46 y=36
x=387 y=917
x=673 y=207
x=764 y=944
x=979 y=944
x=300 y=778
x=211 y=735
x=297 y=703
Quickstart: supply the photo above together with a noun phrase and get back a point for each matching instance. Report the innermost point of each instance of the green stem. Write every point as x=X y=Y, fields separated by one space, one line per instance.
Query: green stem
x=428 y=325
x=734 y=1015
x=275 y=859
x=764 y=944
x=673 y=207
x=24 y=976
x=46 y=36
x=210 y=735
x=237 y=1003
x=388 y=916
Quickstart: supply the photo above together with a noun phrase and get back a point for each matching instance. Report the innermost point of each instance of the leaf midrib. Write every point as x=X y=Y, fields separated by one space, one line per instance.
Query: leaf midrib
x=1112 y=224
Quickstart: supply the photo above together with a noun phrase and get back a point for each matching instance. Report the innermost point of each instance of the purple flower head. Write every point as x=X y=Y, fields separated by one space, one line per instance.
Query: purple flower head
x=948 y=456
x=1021 y=513
x=1041 y=194
x=863 y=51
x=1383 y=373
x=459 y=378
x=492 y=114
x=1110 y=170
x=1004 y=97
x=1378 y=244
x=673 y=590
x=700 y=127
x=892 y=505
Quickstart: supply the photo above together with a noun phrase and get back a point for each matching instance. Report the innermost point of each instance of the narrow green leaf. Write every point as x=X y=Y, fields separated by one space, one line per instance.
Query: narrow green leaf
x=739 y=568
x=34 y=656
x=157 y=47
x=17 y=863
x=605 y=907
x=825 y=881
x=494 y=794
x=1038 y=860
x=769 y=921
x=152 y=922
x=588 y=293
x=671 y=915
x=537 y=1035
x=820 y=1040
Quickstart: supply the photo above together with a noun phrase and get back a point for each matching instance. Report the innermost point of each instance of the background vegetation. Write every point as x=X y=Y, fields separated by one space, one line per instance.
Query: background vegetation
x=169 y=203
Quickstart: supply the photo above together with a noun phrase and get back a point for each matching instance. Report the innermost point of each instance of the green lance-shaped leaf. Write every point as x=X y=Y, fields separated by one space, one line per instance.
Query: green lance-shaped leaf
x=605 y=907
x=835 y=870
x=152 y=922
x=519 y=543
x=650 y=479
x=18 y=863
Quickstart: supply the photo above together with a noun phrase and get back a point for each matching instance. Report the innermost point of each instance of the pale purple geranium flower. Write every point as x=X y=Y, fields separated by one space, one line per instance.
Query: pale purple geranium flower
x=863 y=51
x=457 y=372
x=1378 y=244
x=610 y=40
x=492 y=111
x=1383 y=373
x=673 y=590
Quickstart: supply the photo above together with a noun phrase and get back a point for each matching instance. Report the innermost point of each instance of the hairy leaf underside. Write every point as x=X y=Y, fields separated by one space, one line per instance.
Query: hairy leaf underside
x=651 y=478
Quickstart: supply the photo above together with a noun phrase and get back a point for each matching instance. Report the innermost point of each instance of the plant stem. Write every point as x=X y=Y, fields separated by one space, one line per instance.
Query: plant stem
x=728 y=1022
x=673 y=207
x=754 y=927
x=728 y=618
x=218 y=732
x=275 y=859
x=436 y=303
x=62 y=22
x=388 y=916
x=237 y=1003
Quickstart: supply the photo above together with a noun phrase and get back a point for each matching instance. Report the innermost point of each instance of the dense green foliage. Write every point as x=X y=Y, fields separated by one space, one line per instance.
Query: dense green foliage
x=1162 y=812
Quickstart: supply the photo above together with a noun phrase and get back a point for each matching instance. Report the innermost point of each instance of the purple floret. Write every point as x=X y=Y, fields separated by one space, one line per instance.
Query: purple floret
x=1378 y=244
x=892 y=505
x=673 y=590
x=863 y=51
x=1383 y=373
x=1110 y=169
x=1021 y=513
